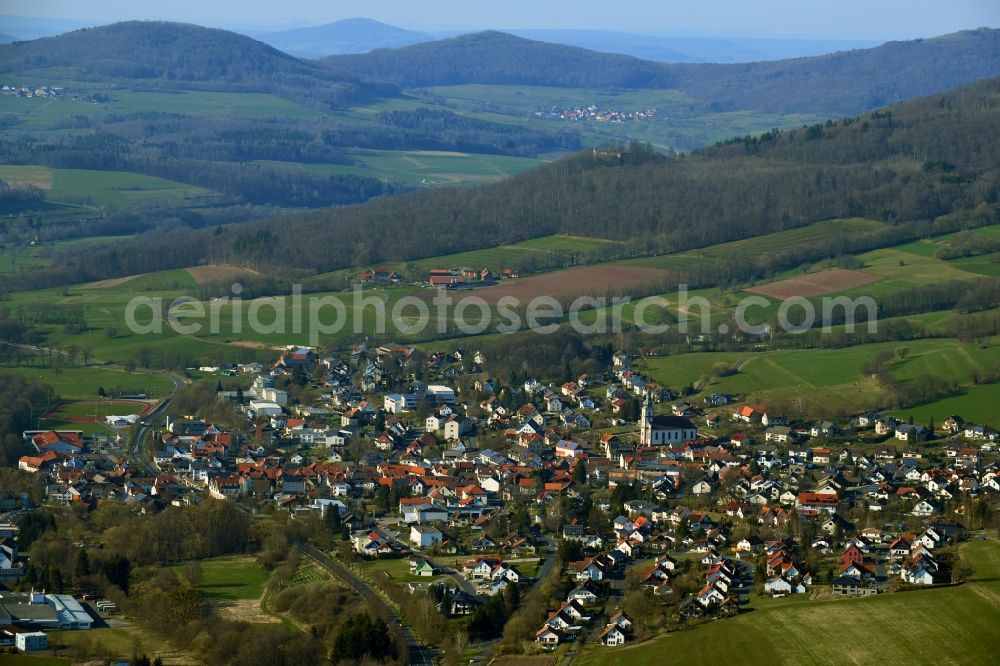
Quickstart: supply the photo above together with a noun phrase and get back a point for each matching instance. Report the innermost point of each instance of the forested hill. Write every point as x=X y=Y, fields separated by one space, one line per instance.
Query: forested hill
x=936 y=158
x=356 y=35
x=504 y=59
x=177 y=55
x=837 y=84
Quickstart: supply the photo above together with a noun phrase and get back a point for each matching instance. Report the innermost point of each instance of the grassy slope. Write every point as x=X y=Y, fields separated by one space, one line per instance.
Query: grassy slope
x=756 y=247
x=830 y=378
x=13 y=259
x=103 y=188
x=977 y=404
x=945 y=626
x=495 y=257
x=82 y=383
x=426 y=168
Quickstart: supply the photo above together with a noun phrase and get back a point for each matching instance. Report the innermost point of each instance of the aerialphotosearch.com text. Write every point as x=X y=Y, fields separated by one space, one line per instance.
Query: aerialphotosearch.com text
x=373 y=312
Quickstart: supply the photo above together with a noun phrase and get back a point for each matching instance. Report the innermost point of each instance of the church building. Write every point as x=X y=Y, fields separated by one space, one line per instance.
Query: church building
x=664 y=430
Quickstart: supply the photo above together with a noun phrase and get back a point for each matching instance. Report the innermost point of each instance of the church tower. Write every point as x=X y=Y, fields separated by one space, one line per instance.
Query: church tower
x=646 y=423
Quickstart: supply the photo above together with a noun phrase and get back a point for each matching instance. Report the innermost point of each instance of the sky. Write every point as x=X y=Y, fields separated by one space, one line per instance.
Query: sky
x=843 y=19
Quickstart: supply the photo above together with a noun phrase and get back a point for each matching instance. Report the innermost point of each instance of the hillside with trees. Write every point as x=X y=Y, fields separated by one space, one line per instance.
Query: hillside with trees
x=838 y=83
x=354 y=35
x=919 y=166
x=158 y=55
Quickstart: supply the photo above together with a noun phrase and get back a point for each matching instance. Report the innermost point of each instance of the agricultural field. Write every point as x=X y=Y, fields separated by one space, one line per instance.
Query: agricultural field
x=170 y=280
x=928 y=246
x=977 y=404
x=941 y=626
x=761 y=245
x=594 y=280
x=987 y=264
x=426 y=168
x=823 y=379
x=110 y=189
x=15 y=258
x=217 y=273
x=880 y=271
x=493 y=258
x=54 y=113
x=984 y=558
x=78 y=383
x=814 y=284
x=898 y=269
x=211 y=103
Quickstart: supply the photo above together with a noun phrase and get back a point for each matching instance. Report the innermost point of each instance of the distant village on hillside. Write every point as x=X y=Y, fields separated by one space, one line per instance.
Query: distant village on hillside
x=595 y=113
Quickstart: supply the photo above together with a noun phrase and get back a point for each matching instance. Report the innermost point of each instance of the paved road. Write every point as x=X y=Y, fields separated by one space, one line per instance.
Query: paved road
x=464 y=584
x=419 y=654
x=550 y=557
x=135 y=447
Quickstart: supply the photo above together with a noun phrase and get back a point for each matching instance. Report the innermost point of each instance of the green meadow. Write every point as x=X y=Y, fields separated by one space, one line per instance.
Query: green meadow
x=426 y=168
x=761 y=245
x=113 y=189
x=823 y=379
x=53 y=113
x=976 y=404
x=14 y=258
x=231 y=578
x=78 y=383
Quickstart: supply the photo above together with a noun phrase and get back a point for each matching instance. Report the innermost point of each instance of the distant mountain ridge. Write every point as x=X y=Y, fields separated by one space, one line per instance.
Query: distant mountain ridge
x=674 y=49
x=361 y=35
x=838 y=83
x=33 y=27
x=356 y=35
x=172 y=55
